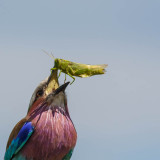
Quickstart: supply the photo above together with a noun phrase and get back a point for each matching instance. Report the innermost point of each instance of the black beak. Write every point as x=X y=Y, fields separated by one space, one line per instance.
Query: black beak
x=61 y=88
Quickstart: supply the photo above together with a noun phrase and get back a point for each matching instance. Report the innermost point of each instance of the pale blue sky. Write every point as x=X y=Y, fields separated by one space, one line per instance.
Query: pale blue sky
x=117 y=115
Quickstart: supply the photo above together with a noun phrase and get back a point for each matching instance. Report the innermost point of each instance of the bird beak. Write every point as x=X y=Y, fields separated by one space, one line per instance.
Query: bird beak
x=52 y=83
x=61 y=88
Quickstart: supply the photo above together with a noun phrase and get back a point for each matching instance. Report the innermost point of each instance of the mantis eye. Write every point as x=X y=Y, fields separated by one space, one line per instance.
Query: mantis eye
x=40 y=93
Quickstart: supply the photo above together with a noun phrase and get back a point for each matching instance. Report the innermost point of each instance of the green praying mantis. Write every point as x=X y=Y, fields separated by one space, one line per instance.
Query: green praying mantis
x=77 y=69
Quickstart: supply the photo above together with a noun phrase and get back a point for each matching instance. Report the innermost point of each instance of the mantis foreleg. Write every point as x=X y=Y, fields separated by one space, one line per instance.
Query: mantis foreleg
x=52 y=69
x=59 y=73
x=65 y=78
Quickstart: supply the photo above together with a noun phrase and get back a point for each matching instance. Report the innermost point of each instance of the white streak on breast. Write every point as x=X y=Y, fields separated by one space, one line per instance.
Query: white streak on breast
x=47 y=117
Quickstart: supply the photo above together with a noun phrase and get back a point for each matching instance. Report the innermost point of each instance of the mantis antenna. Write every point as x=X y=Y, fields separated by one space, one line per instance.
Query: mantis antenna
x=50 y=55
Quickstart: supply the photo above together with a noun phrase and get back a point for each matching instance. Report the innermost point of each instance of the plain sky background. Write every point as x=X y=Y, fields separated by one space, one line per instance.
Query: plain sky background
x=117 y=115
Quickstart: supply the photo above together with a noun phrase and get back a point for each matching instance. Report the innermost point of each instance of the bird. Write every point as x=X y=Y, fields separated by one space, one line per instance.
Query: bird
x=47 y=131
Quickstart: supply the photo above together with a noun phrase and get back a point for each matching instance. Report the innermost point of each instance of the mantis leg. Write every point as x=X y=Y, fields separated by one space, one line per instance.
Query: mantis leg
x=70 y=70
x=59 y=73
x=52 y=69
x=72 y=78
x=65 y=79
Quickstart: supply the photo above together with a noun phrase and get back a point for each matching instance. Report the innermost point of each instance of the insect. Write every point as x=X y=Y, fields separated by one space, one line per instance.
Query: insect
x=77 y=69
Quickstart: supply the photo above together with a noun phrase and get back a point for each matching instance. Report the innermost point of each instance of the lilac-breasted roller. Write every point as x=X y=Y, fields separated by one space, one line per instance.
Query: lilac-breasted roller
x=47 y=131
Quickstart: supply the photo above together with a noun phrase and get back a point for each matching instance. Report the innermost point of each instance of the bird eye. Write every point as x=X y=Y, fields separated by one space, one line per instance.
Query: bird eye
x=40 y=93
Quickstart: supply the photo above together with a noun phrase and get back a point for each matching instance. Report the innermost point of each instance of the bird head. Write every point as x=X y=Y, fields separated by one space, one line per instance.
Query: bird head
x=50 y=94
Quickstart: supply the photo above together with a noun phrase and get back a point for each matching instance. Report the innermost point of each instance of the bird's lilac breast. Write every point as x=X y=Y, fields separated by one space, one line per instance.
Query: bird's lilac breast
x=53 y=137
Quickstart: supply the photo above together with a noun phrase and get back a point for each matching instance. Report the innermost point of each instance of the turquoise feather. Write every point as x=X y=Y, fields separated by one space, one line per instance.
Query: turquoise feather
x=19 y=157
x=69 y=155
x=17 y=143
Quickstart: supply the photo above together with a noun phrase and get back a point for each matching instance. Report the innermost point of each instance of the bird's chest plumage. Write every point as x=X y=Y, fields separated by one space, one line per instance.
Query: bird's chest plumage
x=53 y=138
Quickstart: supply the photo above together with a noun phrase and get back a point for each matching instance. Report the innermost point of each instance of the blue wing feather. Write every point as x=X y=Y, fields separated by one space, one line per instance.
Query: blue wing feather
x=17 y=143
